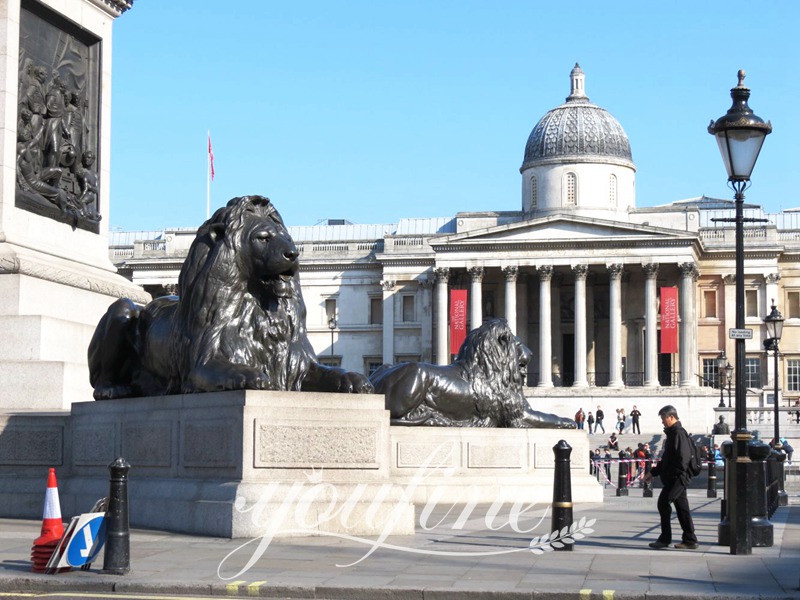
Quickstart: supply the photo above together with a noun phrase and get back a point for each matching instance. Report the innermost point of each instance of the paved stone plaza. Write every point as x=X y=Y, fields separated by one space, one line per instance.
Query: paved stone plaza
x=443 y=563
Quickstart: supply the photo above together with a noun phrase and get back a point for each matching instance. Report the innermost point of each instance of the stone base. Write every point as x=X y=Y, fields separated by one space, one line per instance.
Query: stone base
x=49 y=308
x=476 y=465
x=277 y=464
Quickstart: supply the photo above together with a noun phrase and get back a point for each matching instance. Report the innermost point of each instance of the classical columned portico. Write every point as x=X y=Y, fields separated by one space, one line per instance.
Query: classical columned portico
x=580 y=271
x=442 y=351
x=615 y=326
x=545 y=335
x=650 y=326
x=688 y=326
x=511 y=297
x=475 y=297
x=388 y=321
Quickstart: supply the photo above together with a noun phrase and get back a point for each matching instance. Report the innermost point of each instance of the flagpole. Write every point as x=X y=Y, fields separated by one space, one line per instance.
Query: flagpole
x=208 y=179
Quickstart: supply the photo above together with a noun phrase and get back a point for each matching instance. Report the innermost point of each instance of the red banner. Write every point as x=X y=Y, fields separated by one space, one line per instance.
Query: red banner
x=669 y=320
x=458 y=319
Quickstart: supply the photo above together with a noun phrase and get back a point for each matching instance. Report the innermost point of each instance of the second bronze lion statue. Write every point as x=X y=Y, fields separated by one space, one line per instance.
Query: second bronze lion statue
x=482 y=388
x=240 y=321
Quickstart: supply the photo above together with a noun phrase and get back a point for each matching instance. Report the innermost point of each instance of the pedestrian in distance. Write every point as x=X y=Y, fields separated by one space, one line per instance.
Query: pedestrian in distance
x=580 y=417
x=621 y=420
x=599 y=415
x=635 y=414
x=613 y=442
x=673 y=469
x=590 y=422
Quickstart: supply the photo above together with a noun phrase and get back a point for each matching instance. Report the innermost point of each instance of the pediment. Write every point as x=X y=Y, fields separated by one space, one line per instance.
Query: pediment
x=566 y=229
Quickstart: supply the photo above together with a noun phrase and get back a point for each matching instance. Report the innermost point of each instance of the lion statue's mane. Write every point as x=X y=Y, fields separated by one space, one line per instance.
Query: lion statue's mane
x=239 y=322
x=483 y=387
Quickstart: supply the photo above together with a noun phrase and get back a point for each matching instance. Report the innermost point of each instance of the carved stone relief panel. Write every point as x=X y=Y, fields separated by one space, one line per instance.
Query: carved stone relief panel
x=58 y=117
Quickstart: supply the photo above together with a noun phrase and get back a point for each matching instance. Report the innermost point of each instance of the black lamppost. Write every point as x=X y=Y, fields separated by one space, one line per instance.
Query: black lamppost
x=740 y=135
x=332 y=327
x=721 y=360
x=774 y=324
x=729 y=378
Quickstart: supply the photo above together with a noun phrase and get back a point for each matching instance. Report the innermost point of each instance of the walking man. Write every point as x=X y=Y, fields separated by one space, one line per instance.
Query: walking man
x=599 y=415
x=673 y=469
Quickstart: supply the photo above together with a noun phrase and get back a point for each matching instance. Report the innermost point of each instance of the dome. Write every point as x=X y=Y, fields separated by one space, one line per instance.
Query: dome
x=577 y=131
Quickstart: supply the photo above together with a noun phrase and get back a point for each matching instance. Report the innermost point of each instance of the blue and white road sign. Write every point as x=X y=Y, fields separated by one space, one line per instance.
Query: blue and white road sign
x=86 y=540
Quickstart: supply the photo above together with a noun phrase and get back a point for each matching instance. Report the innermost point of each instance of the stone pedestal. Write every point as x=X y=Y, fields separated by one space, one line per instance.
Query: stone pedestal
x=55 y=277
x=229 y=464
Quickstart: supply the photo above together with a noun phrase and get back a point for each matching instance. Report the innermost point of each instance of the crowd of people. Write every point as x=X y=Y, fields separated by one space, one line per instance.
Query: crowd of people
x=595 y=421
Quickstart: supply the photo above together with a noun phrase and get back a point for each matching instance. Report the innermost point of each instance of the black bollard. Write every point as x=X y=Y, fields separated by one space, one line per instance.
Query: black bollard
x=760 y=525
x=724 y=525
x=648 y=483
x=117 y=557
x=622 y=479
x=711 y=492
x=562 y=491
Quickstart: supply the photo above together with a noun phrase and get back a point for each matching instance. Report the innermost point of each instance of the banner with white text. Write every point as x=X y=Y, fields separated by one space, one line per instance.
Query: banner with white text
x=669 y=320
x=458 y=319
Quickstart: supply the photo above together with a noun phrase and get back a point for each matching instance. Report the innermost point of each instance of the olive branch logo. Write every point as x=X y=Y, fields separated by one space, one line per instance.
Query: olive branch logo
x=559 y=539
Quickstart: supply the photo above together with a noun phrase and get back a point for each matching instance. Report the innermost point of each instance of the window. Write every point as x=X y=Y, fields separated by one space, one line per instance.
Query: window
x=330 y=361
x=330 y=309
x=375 y=311
x=710 y=304
x=372 y=364
x=408 y=309
x=751 y=303
x=710 y=373
x=404 y=358
x=793 y=375
x=612 y=190
x=752 y=372
x=571 y=188
x=793 y=299
x=534 y=192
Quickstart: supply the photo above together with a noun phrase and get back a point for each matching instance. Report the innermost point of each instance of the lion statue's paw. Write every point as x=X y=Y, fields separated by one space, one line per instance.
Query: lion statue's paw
x=355 y=383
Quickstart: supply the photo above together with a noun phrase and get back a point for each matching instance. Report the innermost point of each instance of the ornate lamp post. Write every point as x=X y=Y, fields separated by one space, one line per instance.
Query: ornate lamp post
x=729 y=378
x=740 y=135
x=721 y=360
x=332 y=327
x=774 y=324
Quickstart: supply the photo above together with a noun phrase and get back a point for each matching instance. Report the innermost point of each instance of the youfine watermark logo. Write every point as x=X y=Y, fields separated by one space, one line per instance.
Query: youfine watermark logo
x=315 y=507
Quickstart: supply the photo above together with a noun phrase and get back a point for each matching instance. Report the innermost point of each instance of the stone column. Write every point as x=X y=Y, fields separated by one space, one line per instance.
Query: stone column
x=545 y=336
x=511 y=297
x=523 y=308
x=615 y=326
x=650 y=326
x=442 y=350
x=388 y=321
x=772 y=294
x=580 y=272
x=557 y=335
x=476 y=297
x=426 y=319
x=687 y=302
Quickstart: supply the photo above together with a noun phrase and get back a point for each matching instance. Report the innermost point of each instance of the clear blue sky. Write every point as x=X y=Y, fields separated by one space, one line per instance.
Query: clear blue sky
x=373 y=111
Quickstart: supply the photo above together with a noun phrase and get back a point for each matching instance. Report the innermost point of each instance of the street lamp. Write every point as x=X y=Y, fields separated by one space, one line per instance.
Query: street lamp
x=721 y=360
x=332 y=327
x=740 y=135
x=774 y=324
x=729 y=378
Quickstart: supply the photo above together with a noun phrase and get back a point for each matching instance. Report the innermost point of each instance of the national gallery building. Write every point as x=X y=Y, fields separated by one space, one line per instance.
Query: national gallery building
x=605 y=294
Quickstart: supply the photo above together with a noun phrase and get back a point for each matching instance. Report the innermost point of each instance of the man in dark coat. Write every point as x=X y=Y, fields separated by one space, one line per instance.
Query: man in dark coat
x=673 y=469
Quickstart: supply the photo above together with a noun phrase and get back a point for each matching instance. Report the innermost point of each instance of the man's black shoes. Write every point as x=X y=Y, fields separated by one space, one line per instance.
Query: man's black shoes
x=660 y=545
x=687 y=546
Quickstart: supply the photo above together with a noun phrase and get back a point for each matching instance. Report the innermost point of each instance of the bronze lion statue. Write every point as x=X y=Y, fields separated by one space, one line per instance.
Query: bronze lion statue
x=482 y=388
x=239 y=323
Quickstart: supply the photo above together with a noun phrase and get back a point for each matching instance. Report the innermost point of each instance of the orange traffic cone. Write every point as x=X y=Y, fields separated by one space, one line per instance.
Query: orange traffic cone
x=52 y=527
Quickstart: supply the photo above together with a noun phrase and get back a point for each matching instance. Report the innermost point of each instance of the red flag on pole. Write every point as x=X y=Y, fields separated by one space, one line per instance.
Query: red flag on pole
x=669 y=320
x=458 y=319
x=210 y=157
